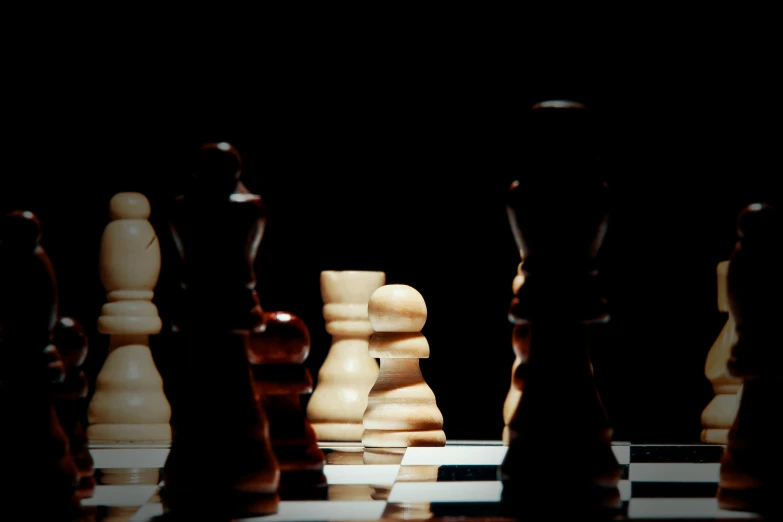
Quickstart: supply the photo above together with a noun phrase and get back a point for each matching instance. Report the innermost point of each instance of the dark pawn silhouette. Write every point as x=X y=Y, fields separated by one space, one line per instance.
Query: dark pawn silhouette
x=278 y=354
x=750 y=474
x=560 y=436
x=221 y=462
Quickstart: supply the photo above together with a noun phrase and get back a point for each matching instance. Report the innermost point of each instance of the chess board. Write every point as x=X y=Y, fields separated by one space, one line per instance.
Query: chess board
x=458 y=480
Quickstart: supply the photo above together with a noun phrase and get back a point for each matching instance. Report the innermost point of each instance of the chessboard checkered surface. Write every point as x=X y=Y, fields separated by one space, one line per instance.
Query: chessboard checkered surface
x=458 y=480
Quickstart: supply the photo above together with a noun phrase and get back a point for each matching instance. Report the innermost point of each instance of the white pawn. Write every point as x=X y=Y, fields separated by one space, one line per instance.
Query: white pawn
x=718 y=417
x=401 y=409
x=129 y=405
x=348 y=373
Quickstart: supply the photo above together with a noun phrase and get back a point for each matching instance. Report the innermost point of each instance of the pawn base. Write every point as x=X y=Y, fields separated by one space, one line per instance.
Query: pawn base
x=402 y=439
x=338 y=431
x=715 y=436
x=129 y=434
x=383 y=456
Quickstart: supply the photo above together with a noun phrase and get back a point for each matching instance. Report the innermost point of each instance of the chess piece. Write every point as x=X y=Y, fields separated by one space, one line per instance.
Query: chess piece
x=521 y=346
x=401 y=408
x=221 y=462
x=348 y=373
x=718 y=416
x=37 y=452
x=558 y=213
x=70 y=396
x=278 y=351
x=750 y=478
x=129 y=405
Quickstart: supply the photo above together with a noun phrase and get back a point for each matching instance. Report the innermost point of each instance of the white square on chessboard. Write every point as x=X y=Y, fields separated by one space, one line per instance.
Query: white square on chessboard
x=477 y=455
x=120 y=496
x=446 y=492
x=454 y=455
x=672 y=472
x=463 y=491
x=681 y=508
x=380 y=475
x=129 y=457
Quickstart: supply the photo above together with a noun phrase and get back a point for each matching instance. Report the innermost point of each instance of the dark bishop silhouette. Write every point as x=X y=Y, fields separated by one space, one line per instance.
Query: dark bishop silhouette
x=216 y=226
x=256 y=358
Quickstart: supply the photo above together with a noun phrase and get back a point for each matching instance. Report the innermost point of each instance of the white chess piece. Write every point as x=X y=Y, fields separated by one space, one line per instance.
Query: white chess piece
x=401 y=409
x=718 y=417
x=129 y=405
x=348 y=373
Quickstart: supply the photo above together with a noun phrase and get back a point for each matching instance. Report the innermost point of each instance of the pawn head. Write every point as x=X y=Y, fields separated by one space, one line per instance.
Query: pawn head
x=397 y=308
x=20 y=230
x=129 y=205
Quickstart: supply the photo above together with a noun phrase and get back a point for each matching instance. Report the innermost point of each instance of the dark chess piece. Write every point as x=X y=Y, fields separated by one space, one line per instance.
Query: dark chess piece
x=558 y=214
x=221 y=462
x=750 y=478
x=70 y=400
x=278 y=353
x=37 y=449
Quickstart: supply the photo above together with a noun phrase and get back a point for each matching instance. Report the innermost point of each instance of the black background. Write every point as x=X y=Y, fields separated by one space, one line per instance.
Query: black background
x=403 y=166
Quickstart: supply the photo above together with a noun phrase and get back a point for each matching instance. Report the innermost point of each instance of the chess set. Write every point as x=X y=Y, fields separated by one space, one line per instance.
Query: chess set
x=457 y=481
x=369 y=443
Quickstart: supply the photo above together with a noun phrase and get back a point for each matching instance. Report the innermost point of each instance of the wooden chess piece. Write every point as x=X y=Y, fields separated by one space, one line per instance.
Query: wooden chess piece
x=221 y=462
x=349 y=372
x=558 y=214
x=278 y=351
x=520 y=344
x=719 y=415
x=401 y=408
x=750 y=478
x=129 y=405
x=70 y=396
x=37 y=452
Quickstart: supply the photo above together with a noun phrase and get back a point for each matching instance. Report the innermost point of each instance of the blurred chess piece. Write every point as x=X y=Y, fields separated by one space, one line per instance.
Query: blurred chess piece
x=750 y=478
x=70 y=399
x=521 y=346
x=349 y=372
x=558 y=213
x=37 y=455
x=129 y=405
x=718 y=416
x=278 y=351
x=221 y=464
x=401 y=408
